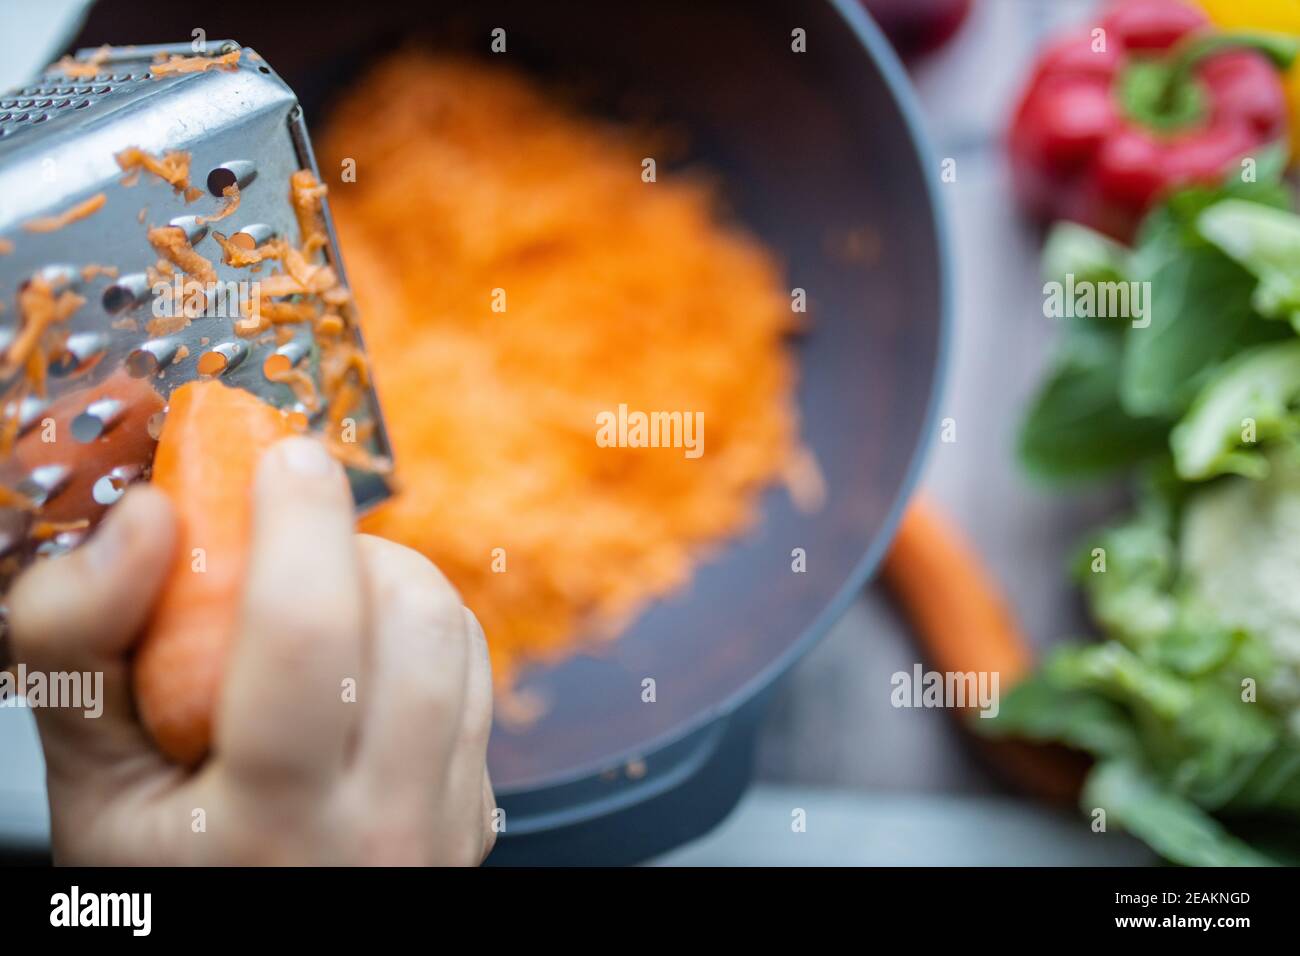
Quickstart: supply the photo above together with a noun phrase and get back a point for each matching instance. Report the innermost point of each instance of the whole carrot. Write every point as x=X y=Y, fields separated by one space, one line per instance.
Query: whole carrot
x=207 y=454
x=964 y=624
x=954 y=605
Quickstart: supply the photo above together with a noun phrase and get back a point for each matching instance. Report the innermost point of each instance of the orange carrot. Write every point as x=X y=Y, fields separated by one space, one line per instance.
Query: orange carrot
x=955 y=607
x=209 y=448
x=963 y=623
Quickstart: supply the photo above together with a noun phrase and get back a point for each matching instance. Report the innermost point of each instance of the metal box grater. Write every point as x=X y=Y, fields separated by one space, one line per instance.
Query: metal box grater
x=59 y=137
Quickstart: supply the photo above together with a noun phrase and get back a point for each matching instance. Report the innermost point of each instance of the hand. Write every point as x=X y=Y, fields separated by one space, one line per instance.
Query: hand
x=297 y=773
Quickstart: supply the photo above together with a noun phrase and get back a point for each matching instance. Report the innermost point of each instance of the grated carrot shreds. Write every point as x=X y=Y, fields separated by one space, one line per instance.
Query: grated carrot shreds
x=6 y=247
x=13 y=498
x=85 y=69
x=161 y=325
x=174 y=65
x=173 y=245
x=40 y=310
x=280 y=312
x=237 y=255
x=231 y=194
x=80 y=211
x=173 y=168
x=94 y=270
x=306 y=194
x=44 y=530
x=617 y=291
x=39 y=337
x=301 y=382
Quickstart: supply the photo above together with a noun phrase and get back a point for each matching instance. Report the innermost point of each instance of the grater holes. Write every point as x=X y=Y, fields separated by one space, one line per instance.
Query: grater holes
x=108 y=489
x=44 y=482
x=125 y=293
x=221 y=358
x=117 y=299
x=152 y=357
x=98 y=418
x=238 y=172
x=81 y=352
x=30 y=410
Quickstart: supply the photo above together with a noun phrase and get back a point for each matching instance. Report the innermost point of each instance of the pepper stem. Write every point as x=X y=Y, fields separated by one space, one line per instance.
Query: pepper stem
x=1278 y=48
x=1165 y=94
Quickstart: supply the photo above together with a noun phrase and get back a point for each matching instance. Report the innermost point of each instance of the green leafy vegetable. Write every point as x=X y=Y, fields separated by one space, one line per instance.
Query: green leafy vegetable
x=1171 y=825
x=1072 y=249
x=1190 y=702
x=1126 y=572
x=1076 y=427
x=1038 y=709
x=1200 y=314
x=1250 y=400
x=1265 y=241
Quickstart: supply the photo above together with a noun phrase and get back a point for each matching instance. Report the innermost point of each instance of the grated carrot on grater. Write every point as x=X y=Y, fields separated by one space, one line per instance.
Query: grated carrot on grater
x=173 y=168
x=80 y=211
x=172 y=65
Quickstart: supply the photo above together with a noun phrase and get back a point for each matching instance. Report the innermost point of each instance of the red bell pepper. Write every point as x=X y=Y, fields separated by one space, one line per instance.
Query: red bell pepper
x=1155 y=99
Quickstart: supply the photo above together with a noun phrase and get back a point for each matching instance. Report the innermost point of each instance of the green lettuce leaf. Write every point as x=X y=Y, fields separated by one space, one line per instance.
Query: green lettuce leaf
x=1249 y=401
x=1039 y=709
x=1200 y=314
x=1266 y=241
x=1076 y=428
x=1170 y=824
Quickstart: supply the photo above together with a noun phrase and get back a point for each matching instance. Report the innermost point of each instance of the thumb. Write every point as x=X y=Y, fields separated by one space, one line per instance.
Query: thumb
x=73 y=620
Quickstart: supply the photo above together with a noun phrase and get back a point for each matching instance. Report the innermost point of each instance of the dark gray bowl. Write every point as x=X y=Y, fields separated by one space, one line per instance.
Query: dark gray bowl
x=811 y=146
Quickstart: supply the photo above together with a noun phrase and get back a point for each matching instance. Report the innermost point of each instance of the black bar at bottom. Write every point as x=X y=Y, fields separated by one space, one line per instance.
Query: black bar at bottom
x=334 y=905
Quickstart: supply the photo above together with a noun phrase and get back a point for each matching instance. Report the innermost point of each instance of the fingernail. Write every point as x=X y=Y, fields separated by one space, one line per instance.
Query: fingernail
x=306 y=457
